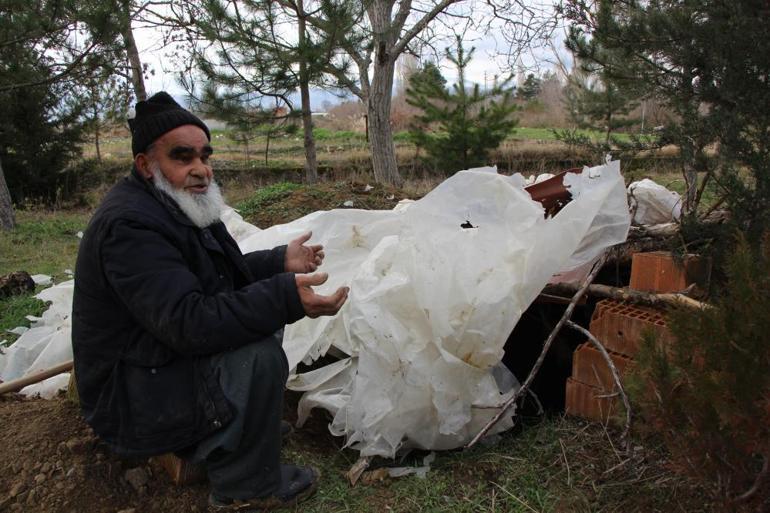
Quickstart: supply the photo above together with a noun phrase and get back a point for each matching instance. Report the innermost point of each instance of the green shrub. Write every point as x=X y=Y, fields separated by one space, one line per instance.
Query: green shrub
x=265 y=196
x=324 y=134
x=709 y=393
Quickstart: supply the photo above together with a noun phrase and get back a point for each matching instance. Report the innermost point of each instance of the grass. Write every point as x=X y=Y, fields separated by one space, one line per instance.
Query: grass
x=43 y=242
x=552 y=464
x=14 y=311
x=265 y=196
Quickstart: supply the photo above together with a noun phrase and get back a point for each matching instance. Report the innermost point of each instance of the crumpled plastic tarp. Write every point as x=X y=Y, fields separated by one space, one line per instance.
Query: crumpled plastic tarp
x=47 y=343
x=431 y=303
x=430 y=307
x=653 y=203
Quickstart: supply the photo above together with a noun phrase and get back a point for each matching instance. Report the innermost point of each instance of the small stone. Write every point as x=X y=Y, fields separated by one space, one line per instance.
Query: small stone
x=31 y=497
x=77 y=445
x=17 y=489
x=40 y=478
x=128 y=510
x=137 y=478
x=46 y=468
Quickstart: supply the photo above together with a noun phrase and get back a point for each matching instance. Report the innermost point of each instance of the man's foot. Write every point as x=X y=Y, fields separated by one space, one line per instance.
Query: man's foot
x=297 y=484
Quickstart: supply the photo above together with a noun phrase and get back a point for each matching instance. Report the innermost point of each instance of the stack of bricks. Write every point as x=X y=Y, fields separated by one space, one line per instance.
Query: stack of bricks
x=621 y=328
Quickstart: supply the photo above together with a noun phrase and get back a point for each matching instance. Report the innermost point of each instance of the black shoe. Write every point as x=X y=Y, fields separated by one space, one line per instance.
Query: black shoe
x=297 y=484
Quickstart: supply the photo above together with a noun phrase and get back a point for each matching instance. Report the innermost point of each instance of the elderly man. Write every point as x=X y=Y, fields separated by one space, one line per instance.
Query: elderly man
x=176 y=334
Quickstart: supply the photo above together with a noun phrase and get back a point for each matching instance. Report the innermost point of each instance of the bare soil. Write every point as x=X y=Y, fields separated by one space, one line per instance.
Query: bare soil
x=51 y=462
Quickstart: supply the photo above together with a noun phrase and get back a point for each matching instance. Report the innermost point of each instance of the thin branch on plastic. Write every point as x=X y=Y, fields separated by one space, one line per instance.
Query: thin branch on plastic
x=527 y=382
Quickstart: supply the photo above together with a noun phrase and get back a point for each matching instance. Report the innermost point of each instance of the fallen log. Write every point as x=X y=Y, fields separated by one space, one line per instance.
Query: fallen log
x=17 y=384
x=628 y=295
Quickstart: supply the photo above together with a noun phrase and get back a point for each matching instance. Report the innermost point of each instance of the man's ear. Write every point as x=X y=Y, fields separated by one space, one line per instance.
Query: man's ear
x=142 y=163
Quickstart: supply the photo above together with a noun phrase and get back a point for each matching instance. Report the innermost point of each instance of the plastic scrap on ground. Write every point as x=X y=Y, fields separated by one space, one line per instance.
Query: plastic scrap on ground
x=653 y=204
x=47 y=343
x=431 y=304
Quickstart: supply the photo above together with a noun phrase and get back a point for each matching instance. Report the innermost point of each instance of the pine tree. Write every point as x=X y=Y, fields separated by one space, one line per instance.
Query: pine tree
x=708 y=63
x=597 y=101
x=256 y=59
x=530 y=88
x=458 y=127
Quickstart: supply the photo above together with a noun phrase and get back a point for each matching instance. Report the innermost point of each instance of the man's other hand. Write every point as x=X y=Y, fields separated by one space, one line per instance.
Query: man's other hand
x=301 y=258
x=316 y=305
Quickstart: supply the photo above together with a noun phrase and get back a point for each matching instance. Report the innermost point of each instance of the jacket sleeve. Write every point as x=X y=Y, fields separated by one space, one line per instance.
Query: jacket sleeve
x=150 y=276
x=266 y=263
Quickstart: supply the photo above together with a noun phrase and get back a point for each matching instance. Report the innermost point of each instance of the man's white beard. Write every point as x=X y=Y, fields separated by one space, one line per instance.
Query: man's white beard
x=202 y=209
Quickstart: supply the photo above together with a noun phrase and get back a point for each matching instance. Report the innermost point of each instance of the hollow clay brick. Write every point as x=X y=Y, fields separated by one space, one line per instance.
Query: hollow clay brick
x=590 y=402
x=590 y=367
x=659 y=271
x=181 y=472
x=620 y=326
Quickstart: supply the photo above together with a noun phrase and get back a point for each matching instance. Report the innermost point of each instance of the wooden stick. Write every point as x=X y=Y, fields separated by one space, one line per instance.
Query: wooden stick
x=629 y=295
x=17 y=384
x=527 y=382
x=615 y=375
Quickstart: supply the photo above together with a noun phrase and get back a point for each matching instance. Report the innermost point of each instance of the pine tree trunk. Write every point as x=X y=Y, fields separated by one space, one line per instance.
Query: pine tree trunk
x=137 y=78
x=96 y=134
x=96 y=143
x=311 y=162
x=7 y=219
x=267 y=146
x=383 y=150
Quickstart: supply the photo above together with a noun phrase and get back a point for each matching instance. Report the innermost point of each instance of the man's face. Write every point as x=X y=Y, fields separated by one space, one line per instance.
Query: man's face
x=183 y=156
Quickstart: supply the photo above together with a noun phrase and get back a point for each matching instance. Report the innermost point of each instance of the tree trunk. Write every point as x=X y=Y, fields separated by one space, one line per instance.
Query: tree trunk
x=137 y=77
x=690 y=174
x=311 y=162
x=96 y=134
x=267 y=147
x=384 y=162
x=7 y=219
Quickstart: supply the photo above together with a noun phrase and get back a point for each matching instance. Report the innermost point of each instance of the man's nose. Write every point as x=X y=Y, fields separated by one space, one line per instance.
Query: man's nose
x=201 y=169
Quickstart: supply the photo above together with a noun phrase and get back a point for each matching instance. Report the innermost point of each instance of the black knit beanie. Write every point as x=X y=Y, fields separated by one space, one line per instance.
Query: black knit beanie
x=157 y=115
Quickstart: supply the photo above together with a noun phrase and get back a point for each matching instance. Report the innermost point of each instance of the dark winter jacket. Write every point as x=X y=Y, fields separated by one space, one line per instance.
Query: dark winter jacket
x=154 y=294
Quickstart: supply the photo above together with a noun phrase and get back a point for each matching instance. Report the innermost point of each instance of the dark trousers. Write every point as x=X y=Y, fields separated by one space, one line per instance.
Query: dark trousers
x=243 y=459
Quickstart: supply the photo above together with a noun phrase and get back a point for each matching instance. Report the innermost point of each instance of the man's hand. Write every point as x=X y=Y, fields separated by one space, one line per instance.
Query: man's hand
x=301 y=258
x=314 y=304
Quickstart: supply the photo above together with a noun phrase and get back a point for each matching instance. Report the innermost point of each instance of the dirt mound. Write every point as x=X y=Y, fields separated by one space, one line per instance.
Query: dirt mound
x=51 y=462
x=285 y=202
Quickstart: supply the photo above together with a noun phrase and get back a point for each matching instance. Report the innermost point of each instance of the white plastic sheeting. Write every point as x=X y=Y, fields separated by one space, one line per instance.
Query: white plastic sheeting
x=654 y=203
x=431 y=304
x=47 y=343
